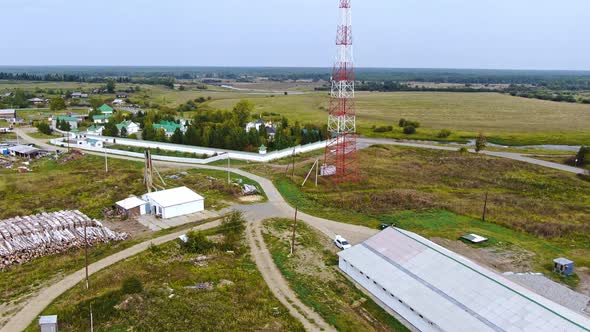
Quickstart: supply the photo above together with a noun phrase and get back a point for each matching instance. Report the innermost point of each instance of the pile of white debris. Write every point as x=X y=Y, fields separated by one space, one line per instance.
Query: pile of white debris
x=25 y=238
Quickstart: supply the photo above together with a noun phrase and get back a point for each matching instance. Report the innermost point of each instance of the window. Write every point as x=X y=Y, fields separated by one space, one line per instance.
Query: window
x=391 y=295
x=384 y=289
x=400 y=301
x=411 y=308
x=421 y=316
x=368 y=277
x=374 y=282
x=362 y=272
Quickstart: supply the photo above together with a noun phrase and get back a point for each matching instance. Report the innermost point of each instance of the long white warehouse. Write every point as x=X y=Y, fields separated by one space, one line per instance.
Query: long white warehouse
x=438 y=290
x=174 y=202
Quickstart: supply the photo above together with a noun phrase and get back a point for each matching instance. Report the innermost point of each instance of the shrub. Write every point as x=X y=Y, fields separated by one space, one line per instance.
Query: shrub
x=44 y=128
x=463 y=150
x=443 y=133
x=232 y=228
x=409 y=130
x=405 y=123
x=583 y=156
x=383 y=129
x=132 y=136
x=197 y=242
x=132 y=285
x=480 y=142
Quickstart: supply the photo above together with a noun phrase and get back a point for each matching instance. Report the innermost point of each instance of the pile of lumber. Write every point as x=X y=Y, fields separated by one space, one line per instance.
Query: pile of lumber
x=25 y=238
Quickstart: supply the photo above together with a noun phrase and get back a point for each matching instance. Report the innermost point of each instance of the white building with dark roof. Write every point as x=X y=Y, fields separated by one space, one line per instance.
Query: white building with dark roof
x=436 y=289
x=174 y=202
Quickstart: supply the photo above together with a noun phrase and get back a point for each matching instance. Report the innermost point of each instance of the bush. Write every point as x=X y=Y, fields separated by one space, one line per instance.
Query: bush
x=132 y=285
x=232 y=228
x=463 y=150
x=132 y=136
x=409 y=130
x=383 y=129
x=405 y=123
x=443 y=133
x=480 y=142
x=44 y=128
x=197 y=243
x=583 y=156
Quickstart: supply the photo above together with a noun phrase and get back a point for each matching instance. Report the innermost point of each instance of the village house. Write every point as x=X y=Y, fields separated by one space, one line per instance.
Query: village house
x=8 y=115
x=118 y=102
x=79 y=95
x=101 y=118
x=23 y=151
x=169 y=127
x=106 y=109
x=73 y=121
x=37 y=101
x=122 y=95
x=130 y=127
x=95 y=130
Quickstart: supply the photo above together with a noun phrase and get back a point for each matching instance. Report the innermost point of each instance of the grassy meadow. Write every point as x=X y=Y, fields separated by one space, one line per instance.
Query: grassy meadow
x=313 y=274
x=441 y=194
x=234 y=298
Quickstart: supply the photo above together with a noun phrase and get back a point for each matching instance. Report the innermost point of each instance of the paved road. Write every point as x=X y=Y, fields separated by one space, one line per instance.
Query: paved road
x=35 y=305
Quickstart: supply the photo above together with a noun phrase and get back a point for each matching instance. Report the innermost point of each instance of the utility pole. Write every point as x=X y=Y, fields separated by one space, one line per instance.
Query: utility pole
x=293 y=236
x=485 y=206
x=106 y=163
x=228 y=167
x=87 y=279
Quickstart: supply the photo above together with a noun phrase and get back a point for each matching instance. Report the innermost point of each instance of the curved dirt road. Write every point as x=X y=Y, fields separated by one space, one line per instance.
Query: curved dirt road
x=277 y=283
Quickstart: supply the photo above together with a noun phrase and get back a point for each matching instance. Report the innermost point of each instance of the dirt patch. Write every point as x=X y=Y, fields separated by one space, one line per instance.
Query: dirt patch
x=502 y=260
x=584 y=285
x=251 y=198
x=130 y=226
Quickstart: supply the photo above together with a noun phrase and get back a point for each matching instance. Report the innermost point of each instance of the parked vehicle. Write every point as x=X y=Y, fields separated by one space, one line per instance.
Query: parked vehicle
x=341 y=242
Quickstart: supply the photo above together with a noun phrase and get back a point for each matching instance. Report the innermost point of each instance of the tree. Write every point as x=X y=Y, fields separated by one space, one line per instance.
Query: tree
x=123 y=132
x=583 y=156
x=191 y=136
x=95 y=102
x=57 y=103
x=480 y=142
x=110 y=85
x=160 y=135
x=44 y=128
x=443 y=133
x=64 y=125
x=409 y=129
x=177 y=137
x=110 y=129
x=243 y=109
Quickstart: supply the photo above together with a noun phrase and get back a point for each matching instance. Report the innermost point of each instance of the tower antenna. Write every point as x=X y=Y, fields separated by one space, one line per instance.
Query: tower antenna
x=340 y=161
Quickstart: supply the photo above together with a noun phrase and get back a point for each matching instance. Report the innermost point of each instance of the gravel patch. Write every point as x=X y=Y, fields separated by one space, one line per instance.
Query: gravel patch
x=552 y=290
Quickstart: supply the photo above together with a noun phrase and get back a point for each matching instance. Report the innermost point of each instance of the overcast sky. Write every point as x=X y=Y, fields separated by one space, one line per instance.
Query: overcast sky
x=502 y=34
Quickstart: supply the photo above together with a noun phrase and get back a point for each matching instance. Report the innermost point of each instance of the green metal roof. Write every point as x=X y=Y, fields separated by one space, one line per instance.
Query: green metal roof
x=262 y=147
x=168 y=126
x=94 y=128
x=106 y=109
x=101 y=116
x=123 y=124
x=66 y=118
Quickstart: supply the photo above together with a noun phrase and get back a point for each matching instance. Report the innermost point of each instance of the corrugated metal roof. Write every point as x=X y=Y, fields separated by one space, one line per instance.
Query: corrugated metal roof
x=454 y=292
x=23 y=149
x=176 y=196
x=130 y=203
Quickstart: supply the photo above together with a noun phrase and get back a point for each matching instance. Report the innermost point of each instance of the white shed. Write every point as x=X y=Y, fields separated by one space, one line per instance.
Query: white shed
x=132 y=206
x=174 y=202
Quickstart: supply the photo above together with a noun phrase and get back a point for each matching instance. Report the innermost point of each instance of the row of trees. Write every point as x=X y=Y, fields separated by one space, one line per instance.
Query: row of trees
x=226 y=129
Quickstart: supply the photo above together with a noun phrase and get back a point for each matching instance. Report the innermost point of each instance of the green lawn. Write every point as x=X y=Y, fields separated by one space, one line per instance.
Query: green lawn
x=238 y=299
x=313 y=274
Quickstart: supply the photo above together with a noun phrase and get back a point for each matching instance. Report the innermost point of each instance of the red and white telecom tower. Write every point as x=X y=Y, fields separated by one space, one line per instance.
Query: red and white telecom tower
x=341 y=152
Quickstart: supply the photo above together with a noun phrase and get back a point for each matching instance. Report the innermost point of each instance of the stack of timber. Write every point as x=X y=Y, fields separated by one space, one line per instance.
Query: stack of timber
x=25 y=238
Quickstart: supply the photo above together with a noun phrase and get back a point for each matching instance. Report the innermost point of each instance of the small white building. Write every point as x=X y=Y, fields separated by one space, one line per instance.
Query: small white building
x=95 y=130
x=132 y=206
x=48 y=323
x=130 y=127
x=174 y=202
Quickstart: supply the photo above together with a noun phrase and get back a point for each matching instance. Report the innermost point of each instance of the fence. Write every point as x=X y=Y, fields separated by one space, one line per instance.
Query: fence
x=216 y=154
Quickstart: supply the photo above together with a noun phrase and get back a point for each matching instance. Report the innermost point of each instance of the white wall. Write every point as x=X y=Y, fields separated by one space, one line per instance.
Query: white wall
x=183 y=209
x=386 y=297
x=221 y=154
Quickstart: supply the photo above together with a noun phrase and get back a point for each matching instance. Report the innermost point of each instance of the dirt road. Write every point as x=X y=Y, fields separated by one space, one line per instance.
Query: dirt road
x=277 y=283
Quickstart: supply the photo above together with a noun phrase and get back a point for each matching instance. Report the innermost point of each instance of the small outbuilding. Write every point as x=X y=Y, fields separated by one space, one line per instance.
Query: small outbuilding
x=563 y=266
x=23 y=151
x=174 y=202
x=132 y=206
x=48 y=323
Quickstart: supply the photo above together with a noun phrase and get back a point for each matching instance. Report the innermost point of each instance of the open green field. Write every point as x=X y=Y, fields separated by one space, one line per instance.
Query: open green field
x=235 y=296
x=313 y=274
x=505 y=119
x=441 y=194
